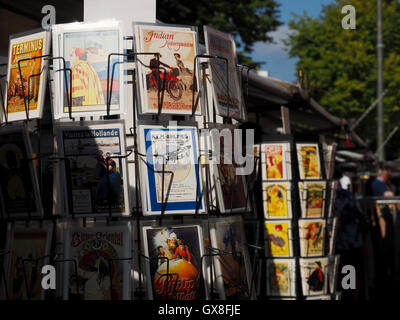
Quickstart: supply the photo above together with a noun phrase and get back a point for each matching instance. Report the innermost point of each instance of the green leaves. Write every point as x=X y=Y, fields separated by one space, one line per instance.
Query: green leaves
x=248 y=21
x=341 y=64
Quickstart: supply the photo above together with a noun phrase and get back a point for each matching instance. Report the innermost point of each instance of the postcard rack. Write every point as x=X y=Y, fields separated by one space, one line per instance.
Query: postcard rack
x=295 y=203
x=210 y=253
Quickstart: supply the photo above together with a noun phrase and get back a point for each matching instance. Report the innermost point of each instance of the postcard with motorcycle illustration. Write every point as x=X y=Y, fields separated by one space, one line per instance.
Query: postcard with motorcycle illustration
x=277 y=200
x=312 y=237
x=167 y=78
x=19 y=187
x=278 y=235
x=94 y=170
x=170 y=176
x=281 y=277
x=228 y=102
x=26 y=90
x=102 y=256
x=314 y=276
x=175 y=262
x=86 y=48
x=232 y=264
x=26 y=244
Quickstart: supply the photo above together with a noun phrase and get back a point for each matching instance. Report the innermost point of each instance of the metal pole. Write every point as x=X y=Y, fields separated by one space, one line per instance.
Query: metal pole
x=387 y=139
x=380 y=124
x=366 y=112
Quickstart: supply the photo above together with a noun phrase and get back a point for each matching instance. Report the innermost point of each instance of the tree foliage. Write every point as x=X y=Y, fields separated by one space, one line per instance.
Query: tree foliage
x=248 y=21
x=341 y=65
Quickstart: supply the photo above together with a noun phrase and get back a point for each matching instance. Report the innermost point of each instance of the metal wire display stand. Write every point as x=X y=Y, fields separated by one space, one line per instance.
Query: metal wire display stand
x=292 y=163
x=305 y=138
x=140 y=293
x=5 y=215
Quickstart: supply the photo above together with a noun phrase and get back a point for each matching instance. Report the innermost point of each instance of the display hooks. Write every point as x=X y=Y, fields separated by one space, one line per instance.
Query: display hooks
x=45 y=57
x=3 y=253
x=206 y=56
x=134 y=54
x=75 y=270
x=110 y=272
x=239 y=254
x=255 y=265
x=211 y=268
x=163 y=172
x=28 y=288
x=109 y=181
x=2 y=96
x=249 y=68
x=166 y=275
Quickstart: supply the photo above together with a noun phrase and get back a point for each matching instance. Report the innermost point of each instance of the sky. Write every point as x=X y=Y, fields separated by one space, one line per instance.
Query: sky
x=278 y=63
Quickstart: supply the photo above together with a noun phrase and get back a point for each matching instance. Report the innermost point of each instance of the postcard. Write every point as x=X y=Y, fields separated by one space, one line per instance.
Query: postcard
x=312 y=199
x=224 y=73
x=312 y=237
x=277 y=200
x=86 y=48
x=171 y=158
x=25 y=93
x=232 y=264
x=29 y=246
x=19 y=186
x=94 y=170
x=281 y=277
x=314 y=276
x=170 y=67
x=275 y=161
x=175 y=262
x=279 y=238
x=102 y=258
x=231 y=187
x=309 y=161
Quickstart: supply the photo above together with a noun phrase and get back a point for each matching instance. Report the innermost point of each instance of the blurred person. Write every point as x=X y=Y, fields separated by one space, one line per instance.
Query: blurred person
x=381 y=184
x=350 y=234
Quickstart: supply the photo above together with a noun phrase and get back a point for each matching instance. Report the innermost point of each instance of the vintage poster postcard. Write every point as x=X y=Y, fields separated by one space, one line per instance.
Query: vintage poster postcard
x=174 y=149
x=101 y=254
x=309 y=161
x=275 y=161
x=312 y=196
x=19 y=187
x=232 y=265
x=171 y=67
x=175 y=265
x=228 y=100
x=94 y=173
x=231 y=187
x=26 y=87
x=312 y=237
x=28 y=245
x=281 y=277
x=314 y=276
x=277 y=200
x=279 y=238
x=85 y=48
